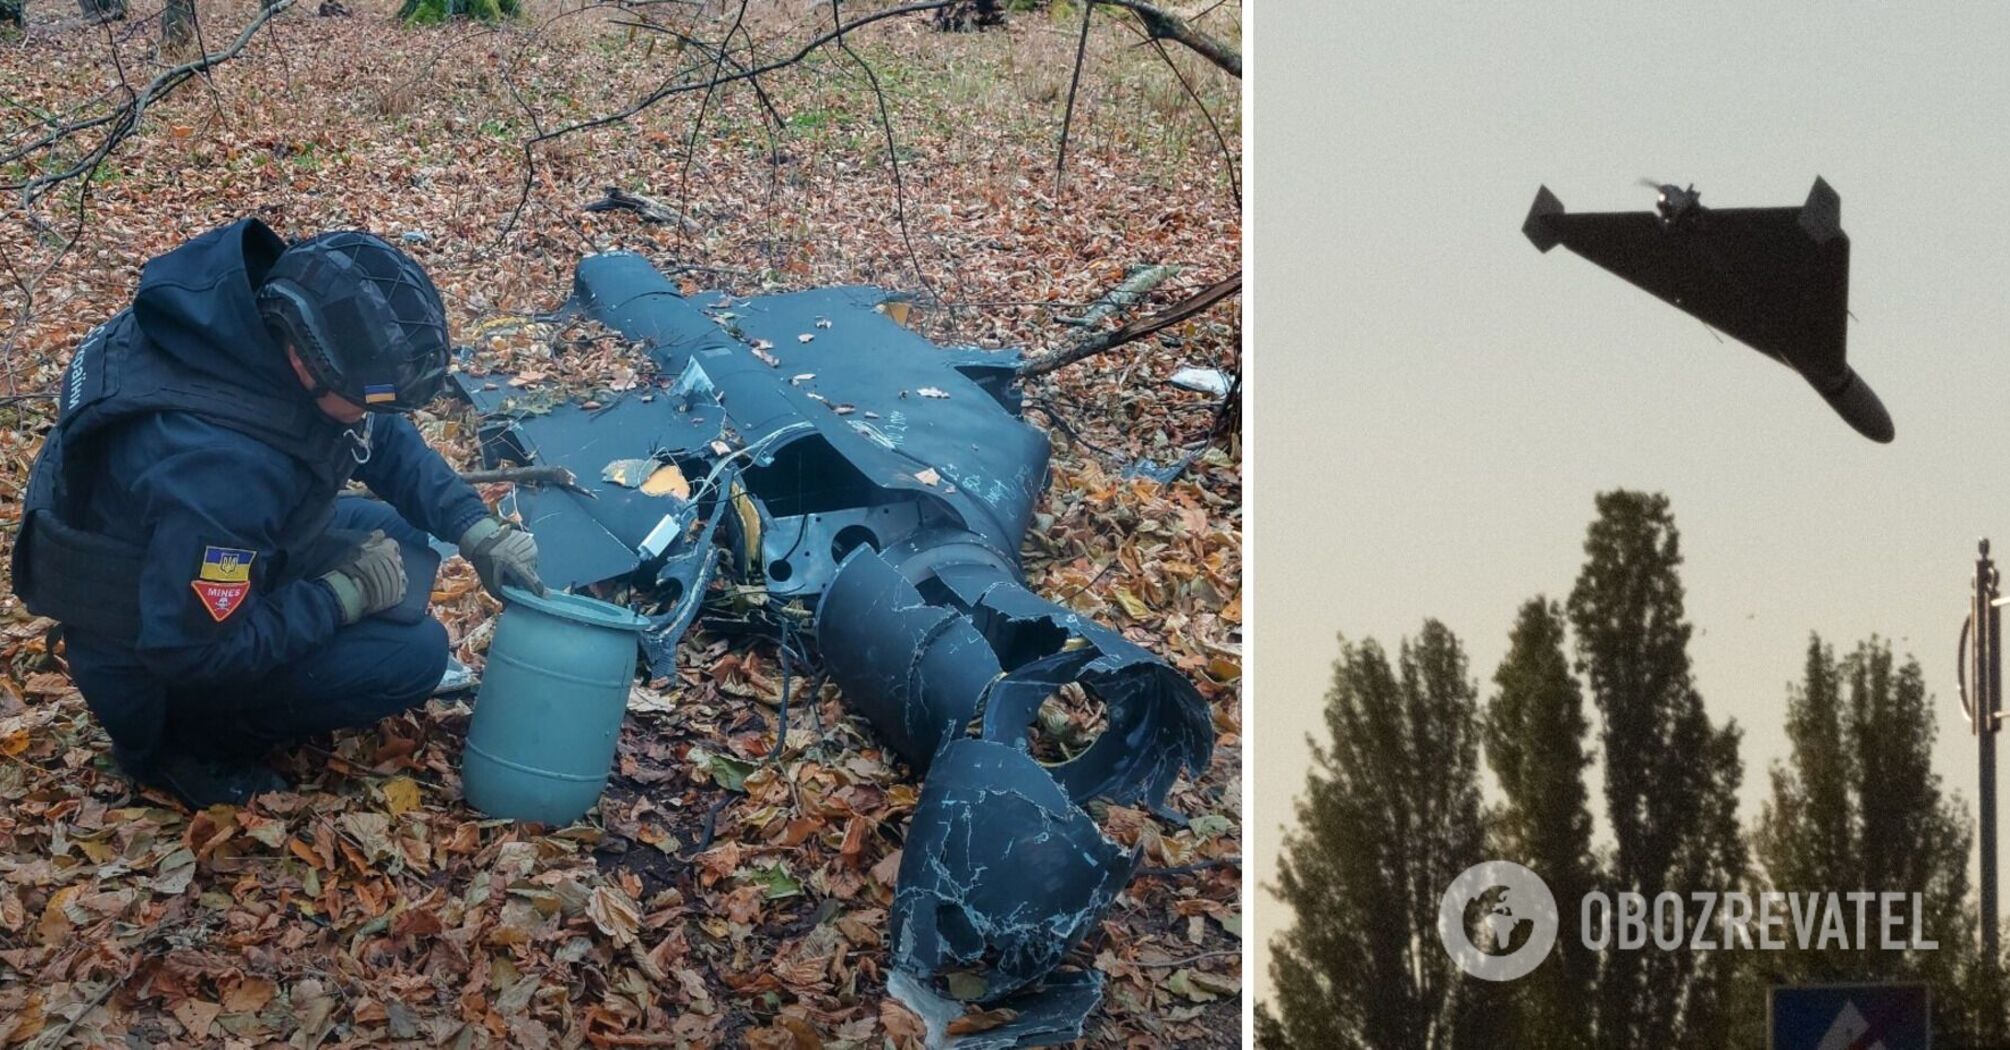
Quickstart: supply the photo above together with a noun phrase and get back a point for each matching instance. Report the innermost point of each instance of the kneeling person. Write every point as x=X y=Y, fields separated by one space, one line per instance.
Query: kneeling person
x=186 y=522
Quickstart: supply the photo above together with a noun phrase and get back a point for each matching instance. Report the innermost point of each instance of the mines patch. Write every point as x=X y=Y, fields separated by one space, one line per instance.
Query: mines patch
x=223 y=580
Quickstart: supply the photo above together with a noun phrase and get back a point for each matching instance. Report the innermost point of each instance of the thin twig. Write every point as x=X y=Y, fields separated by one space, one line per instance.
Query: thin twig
x=1227 y=158
x=1068 y=113
x=1191 y=959
x=892 y=155
x=698 y=122
x=670 y=88
x=56 y=1037
x=523 y=476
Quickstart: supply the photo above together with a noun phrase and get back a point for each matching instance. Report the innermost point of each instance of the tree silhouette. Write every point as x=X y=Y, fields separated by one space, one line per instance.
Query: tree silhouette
x=1390 y=816
x=1671 y=776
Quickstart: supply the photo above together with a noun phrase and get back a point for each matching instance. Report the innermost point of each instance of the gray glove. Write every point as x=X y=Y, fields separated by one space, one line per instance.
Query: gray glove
x=371 y=581
x=502 y=553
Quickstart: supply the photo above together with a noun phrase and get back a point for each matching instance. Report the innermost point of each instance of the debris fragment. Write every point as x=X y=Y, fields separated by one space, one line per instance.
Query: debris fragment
x=628 y=473
x=649 y=208
x=1206 y=380
x=1000 y=877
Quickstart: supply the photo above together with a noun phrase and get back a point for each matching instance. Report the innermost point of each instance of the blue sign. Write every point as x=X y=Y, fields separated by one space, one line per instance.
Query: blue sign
x=1850 y=1017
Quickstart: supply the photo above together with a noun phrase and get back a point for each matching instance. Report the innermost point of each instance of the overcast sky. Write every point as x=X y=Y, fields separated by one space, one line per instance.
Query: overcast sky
x=1437 y=402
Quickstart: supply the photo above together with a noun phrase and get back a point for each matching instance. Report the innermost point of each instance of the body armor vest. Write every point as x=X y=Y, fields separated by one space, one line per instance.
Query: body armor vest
x=88 y=579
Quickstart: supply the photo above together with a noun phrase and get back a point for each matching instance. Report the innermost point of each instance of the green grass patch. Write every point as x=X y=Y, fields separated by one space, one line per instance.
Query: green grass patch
x=433 y=12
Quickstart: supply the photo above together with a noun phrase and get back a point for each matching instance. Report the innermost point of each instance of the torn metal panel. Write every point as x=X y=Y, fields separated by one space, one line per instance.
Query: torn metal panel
x=1152 y=734
x=588 y=552
x=918 y=672
x=934 y=635
x=604 y=530
x=682 y=581
x=801 y=554
x=1158 y=723
x=1001 y=875
x=920 y=666
x=881 y=436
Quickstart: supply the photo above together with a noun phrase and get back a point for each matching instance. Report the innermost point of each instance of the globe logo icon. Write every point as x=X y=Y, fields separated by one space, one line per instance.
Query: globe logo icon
x=1498 y=920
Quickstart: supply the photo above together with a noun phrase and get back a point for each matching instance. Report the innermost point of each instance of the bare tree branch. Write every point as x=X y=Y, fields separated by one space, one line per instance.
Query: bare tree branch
x=126 y=119
x=684 y=88
x=545 y=475
x=649 y=208
x=1164 y=25
x=1138 y=329
x=1157 y=22
x=698 y=122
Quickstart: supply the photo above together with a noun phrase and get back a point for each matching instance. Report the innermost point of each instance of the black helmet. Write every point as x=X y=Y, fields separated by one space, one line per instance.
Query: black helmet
x=364 y=318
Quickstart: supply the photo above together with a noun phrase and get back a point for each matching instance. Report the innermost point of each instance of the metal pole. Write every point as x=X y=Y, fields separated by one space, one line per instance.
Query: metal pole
x=1987 y=675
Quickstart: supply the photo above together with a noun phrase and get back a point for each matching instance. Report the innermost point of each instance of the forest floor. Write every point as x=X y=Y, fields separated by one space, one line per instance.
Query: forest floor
x=372 y=906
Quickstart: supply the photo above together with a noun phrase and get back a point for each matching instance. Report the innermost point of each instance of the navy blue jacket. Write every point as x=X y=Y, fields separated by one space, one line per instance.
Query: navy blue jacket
x=177 y=485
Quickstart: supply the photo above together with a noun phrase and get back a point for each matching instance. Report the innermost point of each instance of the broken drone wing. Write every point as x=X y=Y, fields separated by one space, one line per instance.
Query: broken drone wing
x=1775 y=279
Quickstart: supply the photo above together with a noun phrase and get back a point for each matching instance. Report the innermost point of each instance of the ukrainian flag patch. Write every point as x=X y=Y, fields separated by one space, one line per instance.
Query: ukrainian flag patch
x=379 y=393
x=223 y=580
x=226 y=564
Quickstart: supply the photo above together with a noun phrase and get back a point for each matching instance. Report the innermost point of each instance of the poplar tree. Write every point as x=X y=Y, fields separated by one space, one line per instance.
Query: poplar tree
x=1535 y=743
x=1857 y=807
x=1390 y=816
x=1671 y=775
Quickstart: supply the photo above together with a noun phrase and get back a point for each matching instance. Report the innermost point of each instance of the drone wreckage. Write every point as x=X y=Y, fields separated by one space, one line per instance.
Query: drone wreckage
x=874 y=488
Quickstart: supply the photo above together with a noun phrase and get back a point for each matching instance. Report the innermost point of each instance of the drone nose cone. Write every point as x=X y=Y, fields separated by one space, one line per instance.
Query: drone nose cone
x=1859 y=406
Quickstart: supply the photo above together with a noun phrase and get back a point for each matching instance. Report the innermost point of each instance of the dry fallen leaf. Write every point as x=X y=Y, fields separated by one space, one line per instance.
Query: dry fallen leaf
x=614 y=914
x=982 y=1020
x=401 y=795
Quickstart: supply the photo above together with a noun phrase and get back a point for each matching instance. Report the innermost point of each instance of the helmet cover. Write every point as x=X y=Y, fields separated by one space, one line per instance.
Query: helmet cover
x=363 y=317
